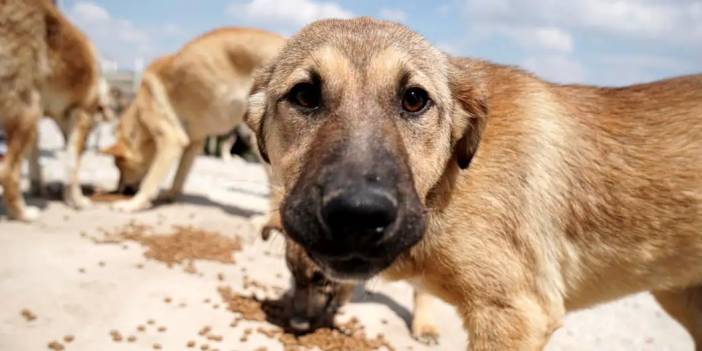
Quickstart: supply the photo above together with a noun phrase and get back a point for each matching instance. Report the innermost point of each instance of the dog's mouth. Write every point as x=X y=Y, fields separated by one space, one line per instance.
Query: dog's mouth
x=346 y=250
x=353 y=269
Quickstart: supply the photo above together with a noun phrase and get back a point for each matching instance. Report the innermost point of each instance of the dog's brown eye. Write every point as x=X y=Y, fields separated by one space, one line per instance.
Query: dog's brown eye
x=305 y=95
x=415 y=100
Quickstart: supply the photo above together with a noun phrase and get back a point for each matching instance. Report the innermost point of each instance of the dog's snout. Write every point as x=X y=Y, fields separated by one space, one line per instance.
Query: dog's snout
x=363 y=213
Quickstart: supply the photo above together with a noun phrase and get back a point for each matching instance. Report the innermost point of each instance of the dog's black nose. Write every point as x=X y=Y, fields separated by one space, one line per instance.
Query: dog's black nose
x=363 y=212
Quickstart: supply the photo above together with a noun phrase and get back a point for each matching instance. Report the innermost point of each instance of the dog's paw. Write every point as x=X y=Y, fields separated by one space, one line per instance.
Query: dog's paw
x=425 y=332
x=169 y=197
x=263 y=225
x=28 y=214
x=79 y=202
x=130 y=205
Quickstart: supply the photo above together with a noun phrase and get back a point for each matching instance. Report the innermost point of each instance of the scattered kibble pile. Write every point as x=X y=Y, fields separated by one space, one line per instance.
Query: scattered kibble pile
x=346 y=336
x=184 y=245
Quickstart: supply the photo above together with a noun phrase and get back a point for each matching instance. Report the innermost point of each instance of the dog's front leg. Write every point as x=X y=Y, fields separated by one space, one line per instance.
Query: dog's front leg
x=21 y=128
x=184 y=167
x=518 y=323
x=424 y=327
x=80 y=124
x=36 y=181
x=168 y=150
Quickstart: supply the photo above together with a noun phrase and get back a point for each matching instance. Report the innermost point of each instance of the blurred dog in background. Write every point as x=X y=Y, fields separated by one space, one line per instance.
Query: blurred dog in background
x=197 y=92
x=47 y=67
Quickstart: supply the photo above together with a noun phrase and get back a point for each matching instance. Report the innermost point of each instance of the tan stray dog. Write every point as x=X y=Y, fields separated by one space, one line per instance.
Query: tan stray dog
x=199 y=91
x=514 y=199
x=47 y=67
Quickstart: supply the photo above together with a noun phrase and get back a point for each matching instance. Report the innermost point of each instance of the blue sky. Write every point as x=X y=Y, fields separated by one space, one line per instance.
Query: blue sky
x=605 y=42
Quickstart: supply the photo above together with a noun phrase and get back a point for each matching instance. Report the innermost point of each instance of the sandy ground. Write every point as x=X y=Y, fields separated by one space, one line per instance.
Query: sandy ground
x=86 y=290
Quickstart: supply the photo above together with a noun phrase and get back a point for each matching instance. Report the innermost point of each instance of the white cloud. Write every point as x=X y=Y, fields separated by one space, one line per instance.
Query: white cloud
x=117 y=39
x=120 y=41
x=558 y=68
x=393 y=15
x=679 y=20
x=90 y=12
x=553 y=39
x=532 y=38
x=543 y=34
x=286 y=15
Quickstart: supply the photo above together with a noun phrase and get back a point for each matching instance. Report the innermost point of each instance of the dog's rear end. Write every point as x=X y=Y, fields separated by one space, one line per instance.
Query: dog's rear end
x=23 y=65
x=48 y=66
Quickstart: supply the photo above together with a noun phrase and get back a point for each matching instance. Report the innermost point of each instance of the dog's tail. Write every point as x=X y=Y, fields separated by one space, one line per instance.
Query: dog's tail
x=159 y=103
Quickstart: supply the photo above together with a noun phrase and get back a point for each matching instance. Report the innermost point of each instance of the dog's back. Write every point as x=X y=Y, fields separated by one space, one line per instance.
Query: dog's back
x=208 y=80
x=642 y=156
x=605 y=180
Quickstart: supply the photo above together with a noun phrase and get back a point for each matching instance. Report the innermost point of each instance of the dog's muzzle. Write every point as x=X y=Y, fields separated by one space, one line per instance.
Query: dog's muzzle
x=354 y=220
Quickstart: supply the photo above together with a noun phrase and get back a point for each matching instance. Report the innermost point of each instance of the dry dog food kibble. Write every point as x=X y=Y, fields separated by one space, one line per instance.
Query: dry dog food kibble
x=216 y=338
x=28 y=315
x=68 y=339
x=205 y=330
x=116 y=336
x=55 y=346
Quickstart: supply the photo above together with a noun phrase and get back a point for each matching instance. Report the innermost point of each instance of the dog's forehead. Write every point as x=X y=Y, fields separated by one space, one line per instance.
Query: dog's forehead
x=361 y=45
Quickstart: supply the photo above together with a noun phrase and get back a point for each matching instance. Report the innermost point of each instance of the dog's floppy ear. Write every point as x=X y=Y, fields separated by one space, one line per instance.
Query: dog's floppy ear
x=470 y=111
x=118 y=149
x=256 y=109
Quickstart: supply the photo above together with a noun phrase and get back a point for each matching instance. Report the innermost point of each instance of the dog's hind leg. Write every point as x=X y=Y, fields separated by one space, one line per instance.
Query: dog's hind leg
x=225 y=148
x=80 y=124
x=21 y=128
x=685 y=306
x=184 y=167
